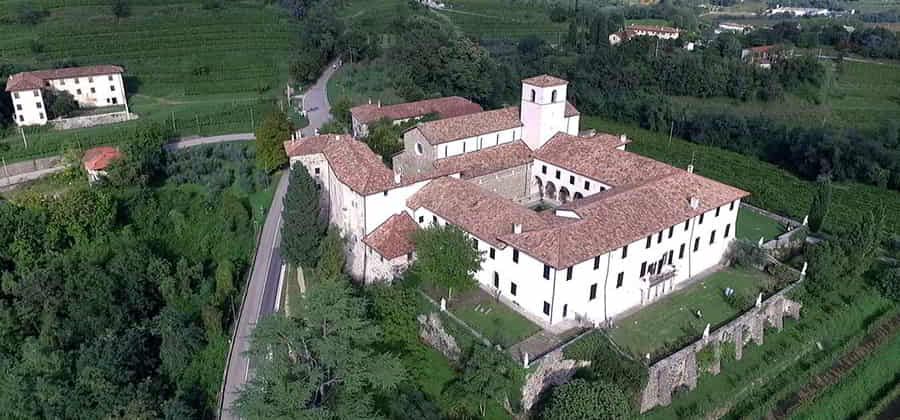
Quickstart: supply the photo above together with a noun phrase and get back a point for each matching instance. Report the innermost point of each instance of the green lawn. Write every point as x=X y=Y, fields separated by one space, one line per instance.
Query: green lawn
x=497 y=322
x=212 y=71
x=875 y=376
x=771 y=187
x=672 y=321
x=752 y=225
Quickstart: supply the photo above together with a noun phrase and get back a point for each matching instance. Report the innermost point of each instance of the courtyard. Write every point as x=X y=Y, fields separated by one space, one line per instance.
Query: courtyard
x=673 y=322
x=752 y=225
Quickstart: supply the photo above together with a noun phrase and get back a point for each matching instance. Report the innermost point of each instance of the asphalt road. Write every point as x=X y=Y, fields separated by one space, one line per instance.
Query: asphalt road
x=262 y=290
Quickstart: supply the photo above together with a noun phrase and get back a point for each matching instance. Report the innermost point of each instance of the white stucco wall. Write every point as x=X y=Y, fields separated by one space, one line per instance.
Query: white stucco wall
x=29 y=107
x=542 y=117
x=565 y=180
x=471 y=144
x=94 y=91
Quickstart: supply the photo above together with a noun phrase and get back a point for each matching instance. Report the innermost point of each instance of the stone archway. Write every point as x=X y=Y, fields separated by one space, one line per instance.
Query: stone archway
x=564 y=195
x=550 y=191
x=577 y=196
x=538 y=186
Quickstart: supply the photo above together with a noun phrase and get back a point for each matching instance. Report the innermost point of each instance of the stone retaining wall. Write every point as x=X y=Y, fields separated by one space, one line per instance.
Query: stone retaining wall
x=92 y=120
x=680 y=369
x=553 y=369
x=19 y=168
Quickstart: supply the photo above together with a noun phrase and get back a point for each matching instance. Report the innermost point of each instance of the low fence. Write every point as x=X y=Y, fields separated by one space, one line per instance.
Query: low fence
x=92 y=120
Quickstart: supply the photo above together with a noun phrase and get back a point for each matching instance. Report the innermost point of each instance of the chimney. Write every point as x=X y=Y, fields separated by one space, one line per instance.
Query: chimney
x=691 y=168
x=517 y=228
x=695 y=202
x=623 y=138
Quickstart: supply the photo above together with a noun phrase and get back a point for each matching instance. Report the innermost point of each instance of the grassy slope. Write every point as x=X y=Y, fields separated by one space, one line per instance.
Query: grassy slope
x=208 y=68
x=503 y=19
x=772 y=188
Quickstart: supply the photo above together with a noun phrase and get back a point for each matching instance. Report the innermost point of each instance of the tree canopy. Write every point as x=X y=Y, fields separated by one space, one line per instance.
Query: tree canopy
x=270 y=137
x=487 y=375
x=583 y=400
x=445 y=257
x=302 y=228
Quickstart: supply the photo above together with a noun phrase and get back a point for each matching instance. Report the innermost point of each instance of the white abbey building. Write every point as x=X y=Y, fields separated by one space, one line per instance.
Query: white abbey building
x=94 y=86
x=621 y=230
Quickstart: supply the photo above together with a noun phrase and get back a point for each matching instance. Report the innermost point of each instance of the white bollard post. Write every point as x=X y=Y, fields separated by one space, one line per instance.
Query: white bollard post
x=803 y=271
x=525 y=360
x=443 y=305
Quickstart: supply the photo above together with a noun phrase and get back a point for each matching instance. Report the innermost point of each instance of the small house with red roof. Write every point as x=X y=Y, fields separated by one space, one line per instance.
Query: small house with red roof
x=92 y=86
x=97 y=160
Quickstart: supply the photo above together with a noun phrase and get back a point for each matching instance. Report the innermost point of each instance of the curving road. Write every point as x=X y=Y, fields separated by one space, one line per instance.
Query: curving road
x=262 y=289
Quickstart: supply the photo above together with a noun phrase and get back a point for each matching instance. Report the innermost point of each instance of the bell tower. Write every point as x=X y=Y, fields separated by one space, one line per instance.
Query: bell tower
x=543 y=109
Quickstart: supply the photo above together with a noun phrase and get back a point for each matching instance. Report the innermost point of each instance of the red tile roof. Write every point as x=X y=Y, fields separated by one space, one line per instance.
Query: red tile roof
x=480 y=212
x=485 y=161
x=352 y=162
x=448 y=107
x=99 y=158
x=38 y=79
x=651 y=28
x=472 y=125
x=545 y=80
x=394 y=237
x=596 y=157
x=571 y=111
x=616 y=218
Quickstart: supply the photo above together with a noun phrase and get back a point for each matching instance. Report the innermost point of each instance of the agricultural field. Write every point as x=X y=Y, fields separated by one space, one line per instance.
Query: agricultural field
x=362 y=82
x=201 y=71
x=771 y=187
x=856 y=94
x=488 y=19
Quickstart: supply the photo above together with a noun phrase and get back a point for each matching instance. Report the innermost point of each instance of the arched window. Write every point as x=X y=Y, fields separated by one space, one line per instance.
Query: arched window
x=553 y=96
x=533 y=95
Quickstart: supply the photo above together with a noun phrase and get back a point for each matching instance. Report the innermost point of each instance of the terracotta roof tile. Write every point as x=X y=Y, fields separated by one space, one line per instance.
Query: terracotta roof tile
x=652 y=28
x=545 y=80
x=472 y=125
x=99 y=158
x=38 y=79
x=393 y=238
x=482 y=213
x=352 y=162
x=571 y=111
x=596 y=157
x=486 y=161
x=448 y=107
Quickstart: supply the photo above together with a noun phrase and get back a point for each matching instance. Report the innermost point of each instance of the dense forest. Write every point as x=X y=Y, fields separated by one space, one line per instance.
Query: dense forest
x=116 y=299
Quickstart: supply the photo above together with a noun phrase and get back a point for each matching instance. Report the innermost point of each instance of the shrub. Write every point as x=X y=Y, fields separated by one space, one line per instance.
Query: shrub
x=738 y=301
x=581 y=399
x=706 y=358
x=607 y=364
x=746 y=254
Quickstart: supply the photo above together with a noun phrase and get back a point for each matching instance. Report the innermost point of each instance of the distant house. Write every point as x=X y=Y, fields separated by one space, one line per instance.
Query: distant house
x=454 y=106
x=733 y=27
x=798 y=11
x=763 y=56
x=93 y=86
x=98 y=159
x=631 y=31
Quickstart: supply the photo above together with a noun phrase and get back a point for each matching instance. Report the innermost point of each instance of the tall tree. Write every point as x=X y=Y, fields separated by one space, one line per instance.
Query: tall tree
x=818 y=209
x=488 y=376
x=445 y=257
x=331 y=256
x=302 y=227
x=270 y=137
x=321 y=364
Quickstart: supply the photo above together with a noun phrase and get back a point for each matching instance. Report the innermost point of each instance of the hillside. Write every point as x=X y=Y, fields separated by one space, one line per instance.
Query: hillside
x=209 y=66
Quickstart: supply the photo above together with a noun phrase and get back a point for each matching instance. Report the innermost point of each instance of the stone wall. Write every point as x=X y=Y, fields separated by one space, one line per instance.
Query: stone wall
x=681 y=368
x=551 y=370
x=510 y=183
x=432 y=332
x=19 y=168
x=92 y=120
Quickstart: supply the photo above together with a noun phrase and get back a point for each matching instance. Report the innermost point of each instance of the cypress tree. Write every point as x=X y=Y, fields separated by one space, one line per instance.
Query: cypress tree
x=818 y=210
x=302 y=229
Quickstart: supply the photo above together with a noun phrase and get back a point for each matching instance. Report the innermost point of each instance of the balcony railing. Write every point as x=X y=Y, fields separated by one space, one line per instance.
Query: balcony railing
x=667 y=272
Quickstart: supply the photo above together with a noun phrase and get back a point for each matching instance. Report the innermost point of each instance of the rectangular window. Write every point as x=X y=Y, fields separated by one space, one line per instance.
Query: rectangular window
x=671 y=254
x=516 y=256
x=624 y=251
x=727 y=230
x=572 y=179
x=475 y=244
x=643 y=268
x=41 y=115
x=546 y=271
x=717 y=211
x=19 y=107
x=546 y=308
x=513 y=288
x=491 y=252
x=649 y=241
x=77 y=81
x=421 y=219
x=596 y=262
x=112 y=88
x=620 y=279
x=686 y=224
x=587 y=185
x=731 y=207
x=445 y=151
x=464 y=147
x=558 y=174
x=712 y=237
x=659 y=237
x=90 y=80
x=544 y=169
x=681 y=252
x=593 y=292
x=39 y=105
x=569 y=273
x=93 y=90
x=21 y=118
x=62 y=82
x=701 y=218
x=16 y=95
x=110 y=78
x=671 y=231
x=696 y=244
x=434 y=219
x=385 y=193
x=37 y=93
x=317 y=170
x=496 y=280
